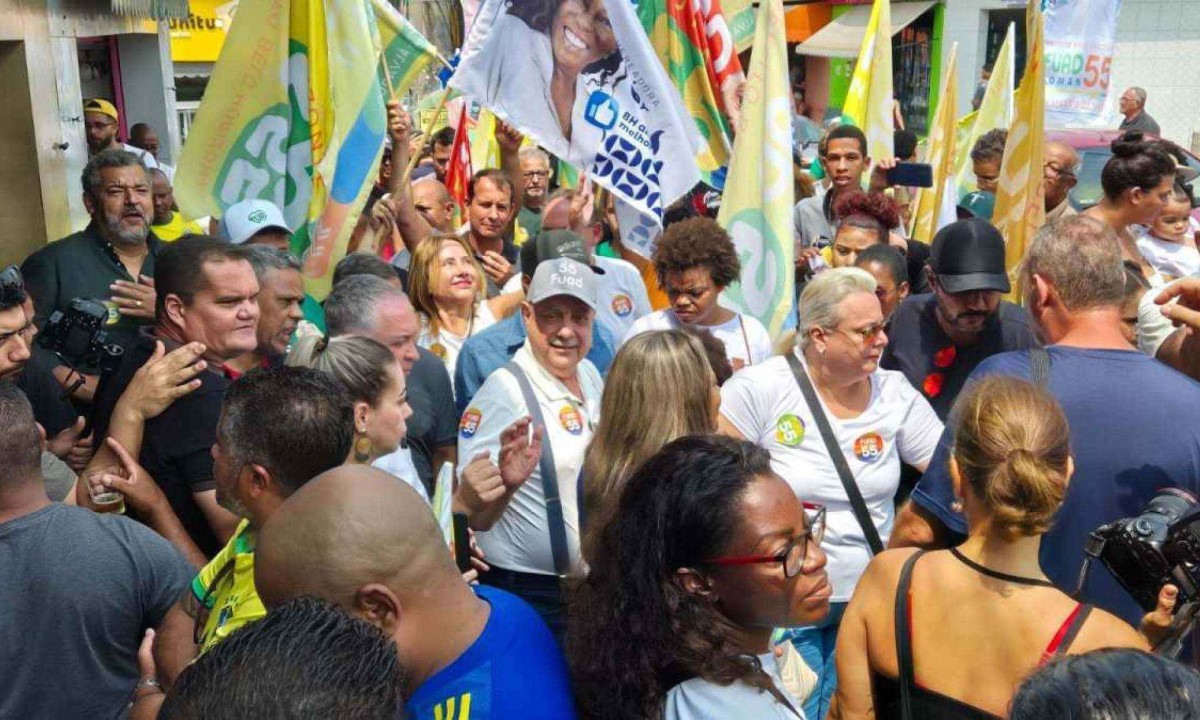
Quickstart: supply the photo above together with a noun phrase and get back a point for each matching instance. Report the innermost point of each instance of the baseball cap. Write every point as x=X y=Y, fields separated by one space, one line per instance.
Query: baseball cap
x=978 y=204
x=563 y=276
x=551 y=245
x=102 y=106
x=969 y=255
x=245 y=219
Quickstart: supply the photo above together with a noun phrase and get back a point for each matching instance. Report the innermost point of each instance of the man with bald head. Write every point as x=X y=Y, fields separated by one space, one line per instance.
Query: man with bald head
x=355 y=537
x=1059 y=170
x=431 y=198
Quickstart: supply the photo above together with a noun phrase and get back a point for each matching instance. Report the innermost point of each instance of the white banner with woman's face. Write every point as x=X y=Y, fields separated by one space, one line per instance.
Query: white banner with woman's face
x=580 y=78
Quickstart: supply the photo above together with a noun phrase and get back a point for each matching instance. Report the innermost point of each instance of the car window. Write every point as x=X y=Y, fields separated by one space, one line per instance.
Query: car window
x=1087 y=192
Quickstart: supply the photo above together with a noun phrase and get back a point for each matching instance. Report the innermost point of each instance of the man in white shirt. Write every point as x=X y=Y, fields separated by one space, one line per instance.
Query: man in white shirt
x=528 y=524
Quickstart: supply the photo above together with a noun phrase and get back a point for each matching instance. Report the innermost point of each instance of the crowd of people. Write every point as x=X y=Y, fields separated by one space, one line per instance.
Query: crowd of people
x=218 y=493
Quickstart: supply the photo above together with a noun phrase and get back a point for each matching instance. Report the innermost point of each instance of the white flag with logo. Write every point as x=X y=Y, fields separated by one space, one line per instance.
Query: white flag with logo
x=582 y=80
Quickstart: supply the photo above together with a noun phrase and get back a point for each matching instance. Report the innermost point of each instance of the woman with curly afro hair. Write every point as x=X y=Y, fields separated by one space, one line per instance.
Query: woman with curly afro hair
x=707 y=552
x=863 y=220
x=695 y=261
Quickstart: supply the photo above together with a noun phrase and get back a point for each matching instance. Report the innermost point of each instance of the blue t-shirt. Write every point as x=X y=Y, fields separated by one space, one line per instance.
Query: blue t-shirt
x=513 y=670
x=1135 y=428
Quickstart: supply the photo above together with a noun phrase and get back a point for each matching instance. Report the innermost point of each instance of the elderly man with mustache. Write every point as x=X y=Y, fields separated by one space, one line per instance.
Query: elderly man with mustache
x=111 y=260
x=528 y=523
x=938 y=338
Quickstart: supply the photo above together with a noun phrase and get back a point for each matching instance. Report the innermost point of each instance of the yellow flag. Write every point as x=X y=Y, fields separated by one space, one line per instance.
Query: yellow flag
x=930 y=214
x=995 y=111
x=757 y=207
x=485 y=151
x=1020 y=209
x=869 y=101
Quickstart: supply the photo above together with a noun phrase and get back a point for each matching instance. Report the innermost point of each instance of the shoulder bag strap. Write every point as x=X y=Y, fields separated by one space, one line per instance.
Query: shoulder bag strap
x=1039 y=366
x=904 y=654
x=837 y=456
x=554 y=512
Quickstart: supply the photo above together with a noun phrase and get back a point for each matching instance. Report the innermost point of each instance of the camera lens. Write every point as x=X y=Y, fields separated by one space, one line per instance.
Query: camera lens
x=1142 y=527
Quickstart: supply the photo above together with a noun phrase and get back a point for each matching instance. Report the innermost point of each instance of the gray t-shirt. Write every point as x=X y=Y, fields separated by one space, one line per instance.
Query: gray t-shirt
x=699 y=699
x=77 y=591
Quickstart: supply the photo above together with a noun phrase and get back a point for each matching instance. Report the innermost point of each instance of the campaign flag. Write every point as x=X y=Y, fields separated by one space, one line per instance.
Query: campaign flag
x=756 y=209
x=458 y=170
x=485 y=150
x=935 y=206
x=869 y=101
x=1020 y=209
x=596 y=96
x=739 y=15
x=995 y=111
x=1080 y=40
x=406 y=53
x=694 y=44
x=294 y=114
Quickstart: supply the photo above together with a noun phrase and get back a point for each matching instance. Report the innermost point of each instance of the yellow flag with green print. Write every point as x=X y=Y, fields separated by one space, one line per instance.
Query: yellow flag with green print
x=869 y=100
x=406 y=52
x=757 y=206
x=294 y=114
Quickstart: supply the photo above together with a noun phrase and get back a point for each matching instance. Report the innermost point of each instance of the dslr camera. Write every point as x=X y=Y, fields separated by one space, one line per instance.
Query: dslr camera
x=77 y=337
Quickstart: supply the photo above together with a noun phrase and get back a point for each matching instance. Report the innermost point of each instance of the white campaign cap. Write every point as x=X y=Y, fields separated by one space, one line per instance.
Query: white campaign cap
x=247 y=218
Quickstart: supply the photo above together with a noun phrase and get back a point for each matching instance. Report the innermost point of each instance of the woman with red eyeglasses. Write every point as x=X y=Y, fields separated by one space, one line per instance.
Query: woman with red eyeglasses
x=837 y=428
x=708 y=552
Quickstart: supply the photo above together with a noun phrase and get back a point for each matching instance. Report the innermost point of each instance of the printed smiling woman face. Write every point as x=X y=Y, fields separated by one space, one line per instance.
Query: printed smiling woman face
x=580 y=35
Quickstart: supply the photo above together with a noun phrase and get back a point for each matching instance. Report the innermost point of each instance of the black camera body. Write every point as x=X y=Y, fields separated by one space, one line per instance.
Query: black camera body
x=1160 y=546
x=77 y=336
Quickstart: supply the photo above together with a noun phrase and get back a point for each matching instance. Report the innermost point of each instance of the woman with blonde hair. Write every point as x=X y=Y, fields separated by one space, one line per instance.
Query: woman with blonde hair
x=660 y=387
x=976 y=619
x=446 y=286
x=375 y=382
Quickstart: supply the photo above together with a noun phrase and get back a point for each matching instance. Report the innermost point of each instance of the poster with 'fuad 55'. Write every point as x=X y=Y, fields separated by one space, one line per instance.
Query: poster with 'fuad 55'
x=1080 y=40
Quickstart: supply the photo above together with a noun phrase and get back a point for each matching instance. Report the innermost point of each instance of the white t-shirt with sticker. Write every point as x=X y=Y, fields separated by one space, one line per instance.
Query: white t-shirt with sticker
x=746 y=341
x=622 y=295
x=520 y=539
x=766 y=406
x=445 y=344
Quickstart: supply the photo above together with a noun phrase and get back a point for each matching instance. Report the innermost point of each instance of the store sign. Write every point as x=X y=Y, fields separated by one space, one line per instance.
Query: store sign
x=200 y=36
x=1080 y=39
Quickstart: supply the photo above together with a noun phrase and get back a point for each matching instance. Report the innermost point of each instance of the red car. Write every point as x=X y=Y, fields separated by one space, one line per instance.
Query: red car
x=1094 y=152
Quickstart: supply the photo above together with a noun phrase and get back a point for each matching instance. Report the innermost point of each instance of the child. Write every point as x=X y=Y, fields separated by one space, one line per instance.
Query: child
x=1169 y=246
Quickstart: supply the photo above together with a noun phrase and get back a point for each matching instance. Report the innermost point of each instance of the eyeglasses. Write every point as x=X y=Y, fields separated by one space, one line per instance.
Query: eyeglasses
x=537 y=174
x=868 y=335
x=12 y=287
x=793 y=556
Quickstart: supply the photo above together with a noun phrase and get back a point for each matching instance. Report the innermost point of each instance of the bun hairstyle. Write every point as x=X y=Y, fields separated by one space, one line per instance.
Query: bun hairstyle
x=869 y=211
x=363 y=366
x=1012 y=445
x=1136 y=162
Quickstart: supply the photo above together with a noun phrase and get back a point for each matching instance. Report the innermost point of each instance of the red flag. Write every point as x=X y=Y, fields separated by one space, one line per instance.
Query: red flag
x=458 y=172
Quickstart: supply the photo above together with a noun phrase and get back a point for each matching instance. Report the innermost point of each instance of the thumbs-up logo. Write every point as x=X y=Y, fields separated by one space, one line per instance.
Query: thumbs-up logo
x=601 y=110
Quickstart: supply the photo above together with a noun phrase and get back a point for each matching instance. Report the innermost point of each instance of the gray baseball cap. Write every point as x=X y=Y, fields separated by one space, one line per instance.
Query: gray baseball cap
x=563 y=276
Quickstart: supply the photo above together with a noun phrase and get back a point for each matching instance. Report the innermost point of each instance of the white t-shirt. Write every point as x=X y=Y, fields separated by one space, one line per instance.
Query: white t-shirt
x=445 y=344
x=520 y=539
x=766 y=406
x=1169 y=258
x=746 y=340
x=699 y=699
x=146 y=158
x=399 y=464
x=622 y=295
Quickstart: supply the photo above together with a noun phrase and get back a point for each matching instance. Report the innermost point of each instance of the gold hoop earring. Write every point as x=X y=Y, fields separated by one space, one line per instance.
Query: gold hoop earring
x=362 y=449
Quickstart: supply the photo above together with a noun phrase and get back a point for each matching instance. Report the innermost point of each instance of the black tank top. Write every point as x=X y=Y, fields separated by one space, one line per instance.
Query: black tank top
x=891 y=694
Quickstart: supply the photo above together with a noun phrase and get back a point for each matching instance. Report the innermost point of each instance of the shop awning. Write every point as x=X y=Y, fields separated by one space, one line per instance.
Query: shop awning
x=801 y=23
x=843 y=36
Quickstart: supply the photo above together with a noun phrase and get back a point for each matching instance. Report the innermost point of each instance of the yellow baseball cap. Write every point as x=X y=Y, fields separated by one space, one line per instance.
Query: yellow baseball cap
x=102 y=106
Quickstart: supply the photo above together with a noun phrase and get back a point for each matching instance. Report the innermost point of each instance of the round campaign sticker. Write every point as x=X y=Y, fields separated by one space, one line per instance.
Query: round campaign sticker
x=868 y=447
x=789 y=430
x=569 y=417
x=622 y=305
x=438 y=349
x=470 y=422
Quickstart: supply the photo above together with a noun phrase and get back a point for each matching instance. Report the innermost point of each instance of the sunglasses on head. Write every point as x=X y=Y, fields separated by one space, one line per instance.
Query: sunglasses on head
x=12 y=287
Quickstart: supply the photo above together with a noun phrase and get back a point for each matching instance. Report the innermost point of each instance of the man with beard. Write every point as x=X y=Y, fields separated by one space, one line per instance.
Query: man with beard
x=112 y=259
x=535 y=177
x=936 y=339
x=100 y=123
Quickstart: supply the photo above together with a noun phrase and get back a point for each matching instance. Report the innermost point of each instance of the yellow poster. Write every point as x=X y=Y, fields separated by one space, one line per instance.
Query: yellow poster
x=200 y=36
